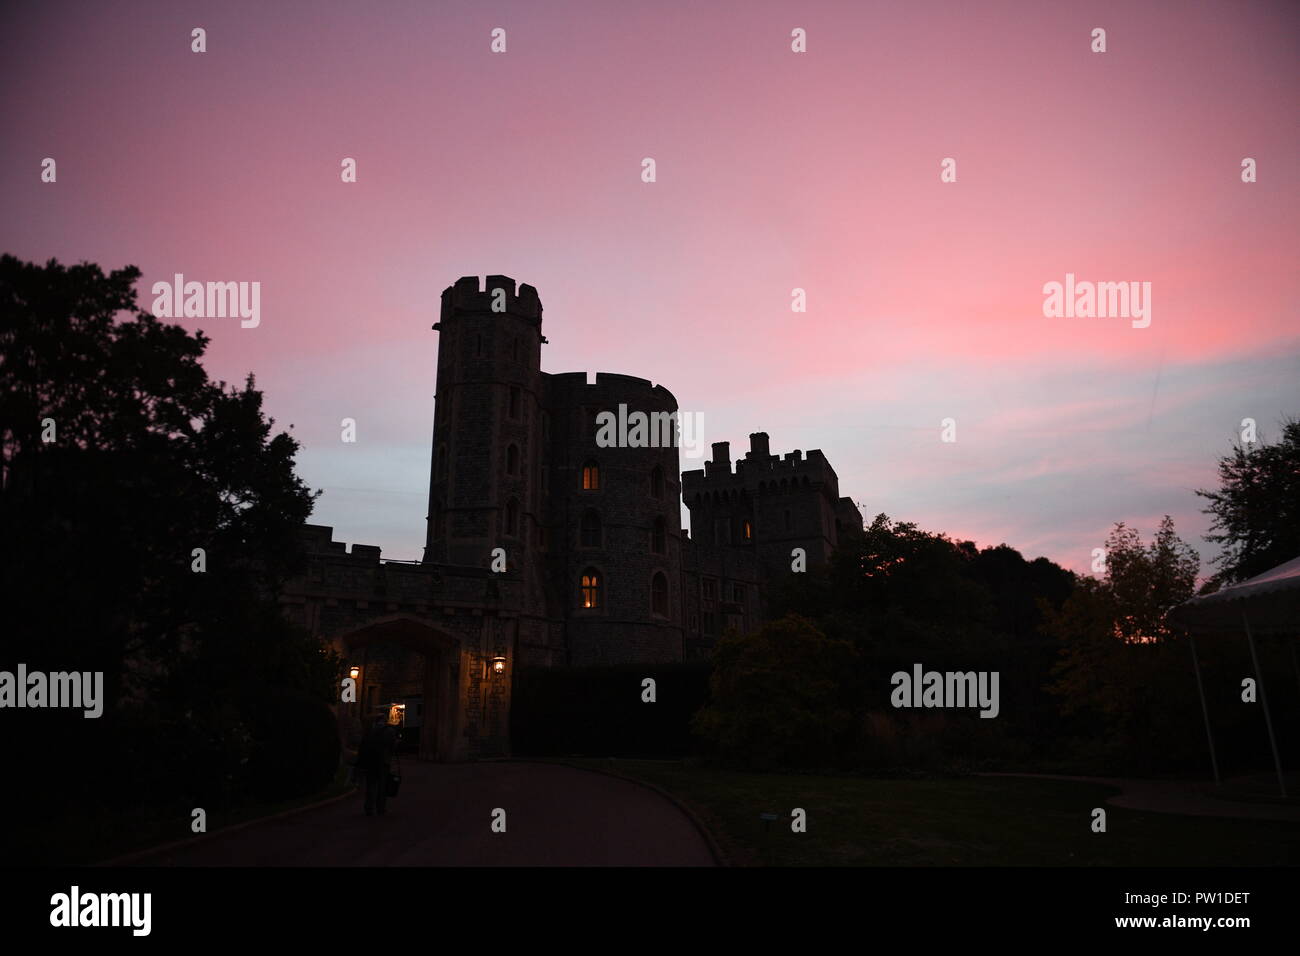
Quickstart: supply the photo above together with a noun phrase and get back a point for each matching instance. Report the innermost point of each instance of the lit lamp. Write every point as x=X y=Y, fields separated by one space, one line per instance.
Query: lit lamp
x=354 y=672
x=498 y=666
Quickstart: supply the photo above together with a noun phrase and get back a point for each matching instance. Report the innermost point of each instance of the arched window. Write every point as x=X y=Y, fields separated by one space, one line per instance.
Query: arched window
x=659 y=594
x=512 y=517
x=591 y=476
x=657 y=482
x=659 y=537
x=590 y=588
x=589 y=533
x=512 y=460
x=749 y=531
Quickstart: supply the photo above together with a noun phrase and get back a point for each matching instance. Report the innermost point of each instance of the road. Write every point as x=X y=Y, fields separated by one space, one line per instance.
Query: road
x=555 y=816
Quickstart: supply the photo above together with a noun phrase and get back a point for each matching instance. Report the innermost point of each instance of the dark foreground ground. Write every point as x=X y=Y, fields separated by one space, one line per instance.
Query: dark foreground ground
x=555 y=816
x=565 y=815
x=977 y=820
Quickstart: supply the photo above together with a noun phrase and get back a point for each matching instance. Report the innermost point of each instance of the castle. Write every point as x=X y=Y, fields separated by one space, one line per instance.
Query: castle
x=545 y=549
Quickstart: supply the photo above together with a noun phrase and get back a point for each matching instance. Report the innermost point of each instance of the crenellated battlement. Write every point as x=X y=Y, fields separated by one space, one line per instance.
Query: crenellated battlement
x=318 y=539
x=759 y=471
x=470 y=295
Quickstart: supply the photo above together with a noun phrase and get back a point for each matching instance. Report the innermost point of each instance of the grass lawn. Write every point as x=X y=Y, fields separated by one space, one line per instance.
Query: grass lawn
x=961 y=821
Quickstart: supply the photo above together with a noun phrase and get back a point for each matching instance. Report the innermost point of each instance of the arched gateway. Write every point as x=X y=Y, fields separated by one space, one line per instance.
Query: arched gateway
x=434 y=642
x=405 y=661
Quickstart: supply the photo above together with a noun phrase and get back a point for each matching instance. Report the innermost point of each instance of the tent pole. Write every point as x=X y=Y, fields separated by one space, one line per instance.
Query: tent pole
x=1295 y=658
x=1205 y=712
x=1263 y=699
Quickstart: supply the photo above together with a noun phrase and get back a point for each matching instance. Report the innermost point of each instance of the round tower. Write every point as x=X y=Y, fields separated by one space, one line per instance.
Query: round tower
x=614 y=508
x=485 y=469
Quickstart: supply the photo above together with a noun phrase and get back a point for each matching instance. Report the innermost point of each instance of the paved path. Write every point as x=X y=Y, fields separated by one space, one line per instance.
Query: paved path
x=1191 y=797
x=555 y=816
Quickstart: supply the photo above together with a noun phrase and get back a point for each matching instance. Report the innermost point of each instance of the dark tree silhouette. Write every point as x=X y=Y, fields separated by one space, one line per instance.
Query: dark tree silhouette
x=1121 y=669
x=119 y=459
x=1256 y=509
x=900 y=595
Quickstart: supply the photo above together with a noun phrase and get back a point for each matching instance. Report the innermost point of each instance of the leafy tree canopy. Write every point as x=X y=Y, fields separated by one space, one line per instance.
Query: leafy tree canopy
x=1256 y=510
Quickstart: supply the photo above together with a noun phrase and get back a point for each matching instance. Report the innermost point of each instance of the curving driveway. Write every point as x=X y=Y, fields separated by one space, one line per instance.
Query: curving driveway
x=555 y=816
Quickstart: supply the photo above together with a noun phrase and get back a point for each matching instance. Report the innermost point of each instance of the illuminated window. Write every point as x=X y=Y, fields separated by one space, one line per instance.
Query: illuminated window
x=589 y=533
x=749 y=531
x=590 y=588
x=658 y=537
x=591 y=476
x=659 y=594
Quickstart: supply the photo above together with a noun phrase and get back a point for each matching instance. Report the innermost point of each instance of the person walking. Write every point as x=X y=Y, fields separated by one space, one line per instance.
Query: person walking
x=375 y=759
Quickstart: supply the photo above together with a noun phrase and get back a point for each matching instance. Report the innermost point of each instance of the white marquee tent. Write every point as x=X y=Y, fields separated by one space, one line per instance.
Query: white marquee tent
x=1268 y=603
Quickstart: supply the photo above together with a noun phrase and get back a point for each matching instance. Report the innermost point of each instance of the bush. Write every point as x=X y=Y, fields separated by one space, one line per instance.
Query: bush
x=598 y=711
x=779 y=697
x=295 y=748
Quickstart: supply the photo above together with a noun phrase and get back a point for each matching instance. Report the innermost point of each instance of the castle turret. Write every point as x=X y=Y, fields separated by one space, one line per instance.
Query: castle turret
x=484 y=487
x=769 y=503
x=615 y=516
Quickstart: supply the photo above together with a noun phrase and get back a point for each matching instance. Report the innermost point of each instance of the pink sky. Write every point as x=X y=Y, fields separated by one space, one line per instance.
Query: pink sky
x=775 y=170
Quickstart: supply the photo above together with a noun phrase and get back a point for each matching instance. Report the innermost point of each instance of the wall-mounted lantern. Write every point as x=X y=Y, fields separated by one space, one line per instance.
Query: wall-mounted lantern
x=498 y=666
x=354 y=672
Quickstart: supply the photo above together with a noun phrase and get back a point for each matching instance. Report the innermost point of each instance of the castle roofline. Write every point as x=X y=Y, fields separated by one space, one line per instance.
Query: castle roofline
x=605 y=380
x=470 y=294
x=756 y=465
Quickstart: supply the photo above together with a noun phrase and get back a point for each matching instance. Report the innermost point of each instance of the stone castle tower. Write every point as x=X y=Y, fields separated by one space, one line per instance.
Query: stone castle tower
x=598 y=569
x=487 y=419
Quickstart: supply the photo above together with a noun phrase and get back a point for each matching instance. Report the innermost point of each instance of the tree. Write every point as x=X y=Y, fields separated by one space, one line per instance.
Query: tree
x=1256 y=510
x=778 y=696
x=901 y=595
x=1118 y=671
x=118 y=459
